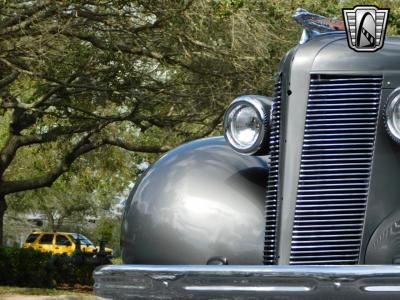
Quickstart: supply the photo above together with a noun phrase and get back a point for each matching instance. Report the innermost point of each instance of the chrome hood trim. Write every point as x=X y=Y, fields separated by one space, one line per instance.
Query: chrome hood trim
x=315 y=25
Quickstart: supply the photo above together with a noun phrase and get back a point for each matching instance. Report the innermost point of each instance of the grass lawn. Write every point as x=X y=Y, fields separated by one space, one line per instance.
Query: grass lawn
x=8 y=290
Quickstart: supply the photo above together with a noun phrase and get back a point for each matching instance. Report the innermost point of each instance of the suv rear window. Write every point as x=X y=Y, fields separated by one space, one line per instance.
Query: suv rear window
x=31 y=238
x=47 y=239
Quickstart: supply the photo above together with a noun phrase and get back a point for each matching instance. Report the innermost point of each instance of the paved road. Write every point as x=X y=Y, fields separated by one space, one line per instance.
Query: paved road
x=23 y=297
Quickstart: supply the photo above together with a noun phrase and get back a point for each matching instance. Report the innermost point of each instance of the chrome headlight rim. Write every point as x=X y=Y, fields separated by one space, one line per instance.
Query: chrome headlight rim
x=392 y=103
x=259 y=104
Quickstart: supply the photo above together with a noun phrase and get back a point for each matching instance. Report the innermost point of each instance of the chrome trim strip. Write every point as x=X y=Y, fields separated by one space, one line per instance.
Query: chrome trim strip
x=382 y=288
x=247 y=282
x=346 y=79
x=231 y=288
x=273 y=184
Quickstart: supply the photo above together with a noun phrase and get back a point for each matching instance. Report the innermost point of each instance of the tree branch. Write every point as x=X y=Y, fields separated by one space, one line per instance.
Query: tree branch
x=134 y=147
x=8 y=79
x=22 y=16
x=21 y=22
x=80 y=148
x=54 y=133
x=7 y=153
x=208 y=130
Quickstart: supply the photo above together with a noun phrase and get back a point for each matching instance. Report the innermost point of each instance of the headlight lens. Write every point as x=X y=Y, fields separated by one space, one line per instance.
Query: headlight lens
x=393 y=116
x=245 y=124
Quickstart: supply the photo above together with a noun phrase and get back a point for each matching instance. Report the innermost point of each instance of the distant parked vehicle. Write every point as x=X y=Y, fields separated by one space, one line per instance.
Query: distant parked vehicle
x=62 y=243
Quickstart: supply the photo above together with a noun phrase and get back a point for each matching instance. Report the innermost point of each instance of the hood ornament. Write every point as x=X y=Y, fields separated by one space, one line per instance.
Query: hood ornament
x=314 y=25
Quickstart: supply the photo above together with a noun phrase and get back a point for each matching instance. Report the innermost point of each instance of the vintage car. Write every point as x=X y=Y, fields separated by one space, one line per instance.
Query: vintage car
x=325 y=150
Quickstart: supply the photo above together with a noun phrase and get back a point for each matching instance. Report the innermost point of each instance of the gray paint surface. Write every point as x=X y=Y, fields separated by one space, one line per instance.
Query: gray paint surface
x=383 y=247
x=338 y=57
x=384 y=192
x=198 y=201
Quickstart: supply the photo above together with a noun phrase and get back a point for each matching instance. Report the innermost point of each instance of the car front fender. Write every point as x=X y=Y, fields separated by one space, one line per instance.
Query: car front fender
x=199 y=201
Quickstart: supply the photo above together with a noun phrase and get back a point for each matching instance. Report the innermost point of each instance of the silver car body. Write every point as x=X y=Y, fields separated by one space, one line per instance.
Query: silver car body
x=168 y=240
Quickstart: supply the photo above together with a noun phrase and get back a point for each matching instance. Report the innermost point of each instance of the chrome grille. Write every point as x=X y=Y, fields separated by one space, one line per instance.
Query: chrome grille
x=335 y=169
x=273 y=178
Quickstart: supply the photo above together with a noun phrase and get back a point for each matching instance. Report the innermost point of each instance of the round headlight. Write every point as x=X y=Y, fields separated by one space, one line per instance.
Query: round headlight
x=393 y=115
x=246 y=123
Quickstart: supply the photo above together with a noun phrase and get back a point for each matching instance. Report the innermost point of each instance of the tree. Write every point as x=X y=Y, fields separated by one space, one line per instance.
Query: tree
x=139 y=75
x=67 y=198
x=78 y=200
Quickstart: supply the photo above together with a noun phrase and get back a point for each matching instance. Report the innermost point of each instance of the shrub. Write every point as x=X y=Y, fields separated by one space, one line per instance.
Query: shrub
x=24 y=267
x=31 y=268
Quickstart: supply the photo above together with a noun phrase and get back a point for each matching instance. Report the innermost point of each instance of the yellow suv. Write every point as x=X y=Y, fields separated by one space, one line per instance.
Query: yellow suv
x=61 y=243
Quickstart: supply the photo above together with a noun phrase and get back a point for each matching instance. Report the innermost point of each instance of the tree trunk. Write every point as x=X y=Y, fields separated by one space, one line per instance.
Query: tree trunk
x=3 y=208
x=60 y=222
x=50 y=220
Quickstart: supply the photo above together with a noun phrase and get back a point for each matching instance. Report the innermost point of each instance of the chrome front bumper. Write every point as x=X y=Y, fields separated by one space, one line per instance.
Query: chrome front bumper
x=247 y=282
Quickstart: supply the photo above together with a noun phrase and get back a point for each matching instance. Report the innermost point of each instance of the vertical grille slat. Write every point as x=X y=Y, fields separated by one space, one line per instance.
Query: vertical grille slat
x=271 y=203
x=335 y=169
